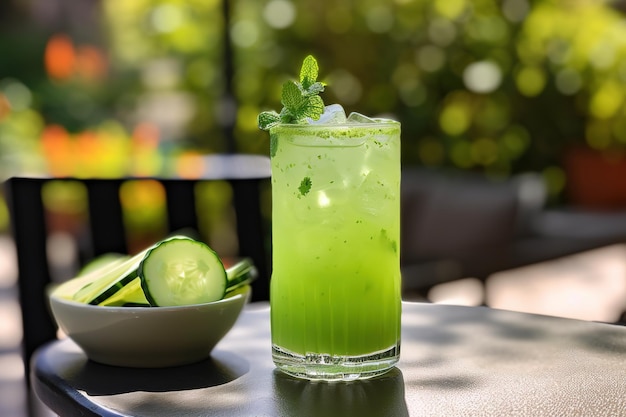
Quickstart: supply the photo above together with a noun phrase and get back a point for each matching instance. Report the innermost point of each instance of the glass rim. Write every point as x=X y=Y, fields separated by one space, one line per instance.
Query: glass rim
x=337 y=126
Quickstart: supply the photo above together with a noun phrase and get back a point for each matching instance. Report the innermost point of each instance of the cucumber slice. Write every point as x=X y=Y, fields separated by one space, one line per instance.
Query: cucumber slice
x=85 y=278
x=110 y=277
x=108 y=280
x=129 y=295
x=132 y=294
x=240 y=274
x=182 y=271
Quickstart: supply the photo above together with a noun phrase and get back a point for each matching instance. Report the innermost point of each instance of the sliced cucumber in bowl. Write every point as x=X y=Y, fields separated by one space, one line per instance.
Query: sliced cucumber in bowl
x=173 y=272
x=131 y=295
x=108 y=280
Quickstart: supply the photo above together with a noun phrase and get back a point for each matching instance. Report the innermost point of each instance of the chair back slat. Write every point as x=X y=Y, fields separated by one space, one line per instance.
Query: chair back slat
x=181 y=207
x=106 y=222
x=246 y=193
x=28 y=224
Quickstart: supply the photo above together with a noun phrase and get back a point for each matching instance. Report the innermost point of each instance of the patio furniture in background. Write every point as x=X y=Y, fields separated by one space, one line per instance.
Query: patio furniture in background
x=457 y=225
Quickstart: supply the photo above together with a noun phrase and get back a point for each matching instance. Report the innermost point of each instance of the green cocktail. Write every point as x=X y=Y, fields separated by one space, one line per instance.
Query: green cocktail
x=335 y=288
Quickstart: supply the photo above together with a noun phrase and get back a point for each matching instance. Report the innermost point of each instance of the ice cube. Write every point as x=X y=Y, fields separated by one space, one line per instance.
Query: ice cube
x=355 y=117
x=374 y=195
x=333 y=114
x=322 y=206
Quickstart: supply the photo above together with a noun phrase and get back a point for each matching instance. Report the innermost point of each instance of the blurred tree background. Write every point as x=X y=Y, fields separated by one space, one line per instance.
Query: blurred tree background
x=115 y=87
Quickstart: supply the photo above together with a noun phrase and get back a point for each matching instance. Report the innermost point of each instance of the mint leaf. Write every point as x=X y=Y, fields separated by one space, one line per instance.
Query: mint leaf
x=292 y=97
x=287 y=117
x=299 y=104
x=300 y=100
x=314 y=107
x=267 y=119
x=308 y=72
x=305 y=186
x=314 y=89
x=273 y=145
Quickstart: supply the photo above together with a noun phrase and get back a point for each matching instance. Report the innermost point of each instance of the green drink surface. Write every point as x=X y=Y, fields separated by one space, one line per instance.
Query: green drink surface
x=335 y=286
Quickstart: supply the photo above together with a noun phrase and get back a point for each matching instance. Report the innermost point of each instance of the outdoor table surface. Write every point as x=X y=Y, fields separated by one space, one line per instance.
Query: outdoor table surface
x=455 y=361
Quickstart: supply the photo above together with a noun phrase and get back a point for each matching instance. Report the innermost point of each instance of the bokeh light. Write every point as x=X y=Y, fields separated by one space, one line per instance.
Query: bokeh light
x=17 y=95
x=345 y=86
x=430 y=58
x=569 y=81
x=5 y=107
x=482 y=77
x=455 y=117
x=450 y=9
x=484 y=151
x=461 y=154
x=59 y=57
x=379 y=18
x=279 y=14
x=166 y=18
x=607 y=100
x=530 y=80
x=515 y=141
x=244 y=33
x=515 y=10
x=442 y=32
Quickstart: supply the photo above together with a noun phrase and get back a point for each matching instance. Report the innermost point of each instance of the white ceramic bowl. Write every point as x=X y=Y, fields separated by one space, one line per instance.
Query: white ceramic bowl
x=147 y=337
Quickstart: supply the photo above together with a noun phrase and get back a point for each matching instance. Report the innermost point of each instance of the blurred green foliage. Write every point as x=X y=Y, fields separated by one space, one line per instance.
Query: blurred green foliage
x=496 y=86
x=499 y=87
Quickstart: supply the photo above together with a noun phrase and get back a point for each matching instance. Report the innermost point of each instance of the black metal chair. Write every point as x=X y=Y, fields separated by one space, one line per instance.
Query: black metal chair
x=248 y=178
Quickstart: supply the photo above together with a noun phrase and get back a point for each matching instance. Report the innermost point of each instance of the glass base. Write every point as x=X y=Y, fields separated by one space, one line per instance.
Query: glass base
x=324 y=367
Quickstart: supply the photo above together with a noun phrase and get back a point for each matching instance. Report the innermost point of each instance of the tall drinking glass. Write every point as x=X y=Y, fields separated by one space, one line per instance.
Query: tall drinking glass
x=335 y=286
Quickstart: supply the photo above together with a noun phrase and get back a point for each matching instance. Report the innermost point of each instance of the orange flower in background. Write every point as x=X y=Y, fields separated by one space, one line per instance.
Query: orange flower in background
x=104 y=151
x=57 y=148
x=88 y=153
x=146 y=157
x=60 y=57
x=63 y=60
x=88 y=145
x=90 y=63
x=146 y=135
x=54 y=140
x=5 y=107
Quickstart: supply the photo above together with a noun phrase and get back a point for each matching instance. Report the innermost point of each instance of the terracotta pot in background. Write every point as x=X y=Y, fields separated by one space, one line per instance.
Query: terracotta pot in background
x=596 y=180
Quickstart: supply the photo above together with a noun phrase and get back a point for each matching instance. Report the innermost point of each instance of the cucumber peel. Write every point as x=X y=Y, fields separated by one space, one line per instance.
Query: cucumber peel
x=240 y=274
x=108 y=280
x=130 y=295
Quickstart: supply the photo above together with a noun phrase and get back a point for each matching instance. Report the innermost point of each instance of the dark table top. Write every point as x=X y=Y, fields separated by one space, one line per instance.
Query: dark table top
x=455 y=361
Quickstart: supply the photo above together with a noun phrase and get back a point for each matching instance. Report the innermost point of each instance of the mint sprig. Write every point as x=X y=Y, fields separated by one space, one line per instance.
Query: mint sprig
x=300 y=100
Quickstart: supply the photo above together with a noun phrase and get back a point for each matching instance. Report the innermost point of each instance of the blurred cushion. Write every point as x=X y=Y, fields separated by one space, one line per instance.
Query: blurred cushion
x=456 y=215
